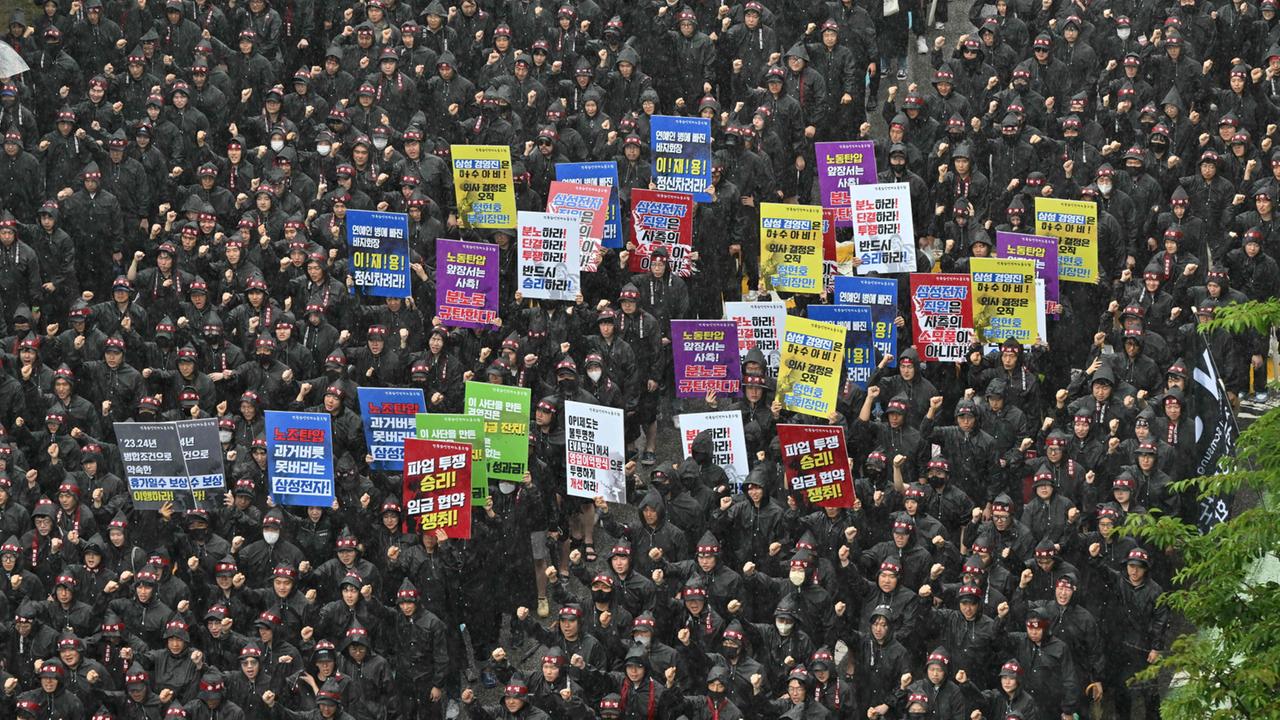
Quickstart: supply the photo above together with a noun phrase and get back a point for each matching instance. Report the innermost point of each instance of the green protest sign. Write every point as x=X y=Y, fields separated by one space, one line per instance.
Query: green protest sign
x=505 y=411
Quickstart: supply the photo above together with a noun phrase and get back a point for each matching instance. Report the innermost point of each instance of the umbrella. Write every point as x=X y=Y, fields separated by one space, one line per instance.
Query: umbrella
x=11 y=63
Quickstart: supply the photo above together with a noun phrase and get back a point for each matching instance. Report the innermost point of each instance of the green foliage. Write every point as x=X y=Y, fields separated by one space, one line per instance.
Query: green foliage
x=1229 y=665
x=1257 y=315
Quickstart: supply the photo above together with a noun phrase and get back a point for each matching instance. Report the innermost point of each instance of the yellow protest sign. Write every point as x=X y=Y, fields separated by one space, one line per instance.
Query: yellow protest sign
x=791 y=247
x=809 y=376
x=1075 y=224
x=1004 y=300
x=483 y=187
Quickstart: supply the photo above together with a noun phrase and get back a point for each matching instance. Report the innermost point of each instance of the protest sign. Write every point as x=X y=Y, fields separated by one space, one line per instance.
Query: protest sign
x=809 y=379
x=154 y=464
x=378 y=244
x=600 y=174
x=759 y=328
x=728 y=441
x=661 y=219
x=881 y=295
x=842 y=165
x=815 y=462
x=388 y=415
x=483 y=186
x=506 y=413
x=548 y=265
x=589 y=205
x=202 y=453
x=299 y=458
x=594 y=451
x=859 y=344
x=706 y=357
x=942 y=315
x=681 y=148
x=1075 y=224
x=1004 y=300
x=791 y=247
x=466 y=283
x=437 y=487
x=461 y=428
x=837 y=257
x=883 y=229
x=1039 y=248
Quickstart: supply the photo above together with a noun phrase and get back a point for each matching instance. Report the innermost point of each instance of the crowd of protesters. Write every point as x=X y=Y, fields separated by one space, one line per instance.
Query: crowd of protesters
x=174 y=186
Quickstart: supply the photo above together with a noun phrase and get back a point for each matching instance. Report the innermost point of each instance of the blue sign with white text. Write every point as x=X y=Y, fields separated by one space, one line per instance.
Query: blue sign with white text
x=681 y=148
x=378 y=244
x=603 y=174
x=390 y=416
x=859 y=355
x=300 y=458
x=881 y=295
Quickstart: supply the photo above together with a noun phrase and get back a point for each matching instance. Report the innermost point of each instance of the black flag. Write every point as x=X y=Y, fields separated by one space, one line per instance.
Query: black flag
x=1216 y=428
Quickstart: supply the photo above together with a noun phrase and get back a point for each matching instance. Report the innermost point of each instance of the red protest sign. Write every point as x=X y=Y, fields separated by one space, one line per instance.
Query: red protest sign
x=815 y=461
x=662 y=219
x=437 y=487
x=942 y=315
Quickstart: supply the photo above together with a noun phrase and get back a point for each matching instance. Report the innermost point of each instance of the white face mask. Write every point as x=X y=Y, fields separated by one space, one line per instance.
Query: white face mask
x=277 y=145
x=1104 y=188
x=270 y=536
x=323 y=149
x=506 y=488
x=595 y=375
x=1123 y=33
x=784 y=627
x=796 y=577
x=380 y=143
x=644 y=640
x=224 y=436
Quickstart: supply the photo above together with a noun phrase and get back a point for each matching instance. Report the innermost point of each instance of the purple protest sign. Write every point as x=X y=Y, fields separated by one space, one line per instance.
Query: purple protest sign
x=1043 y=250
x=841 y=164
x=706 y=357
x=466 y=283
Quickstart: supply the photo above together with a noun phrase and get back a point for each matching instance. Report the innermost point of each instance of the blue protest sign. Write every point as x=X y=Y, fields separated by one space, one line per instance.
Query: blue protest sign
x=378 y=243
x=881 y=295
x=300 y=458
x=604 y=174
x=681 y=149
x=389 y=418
x=859 y=359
